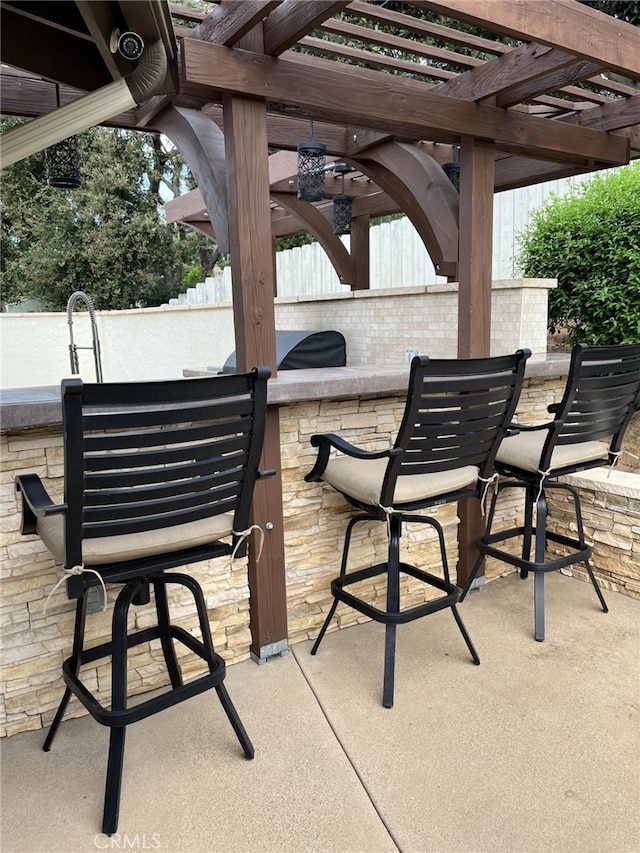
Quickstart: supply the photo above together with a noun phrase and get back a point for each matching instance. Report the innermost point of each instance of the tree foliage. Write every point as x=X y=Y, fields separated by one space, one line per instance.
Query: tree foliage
x=625 y=10
x=589 y=240
x=109 y=237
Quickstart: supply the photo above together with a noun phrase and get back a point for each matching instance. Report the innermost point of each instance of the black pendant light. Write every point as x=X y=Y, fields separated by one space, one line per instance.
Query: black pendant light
x=342 y=204
x=63 y=161
x=311 y=160
x=452 y=170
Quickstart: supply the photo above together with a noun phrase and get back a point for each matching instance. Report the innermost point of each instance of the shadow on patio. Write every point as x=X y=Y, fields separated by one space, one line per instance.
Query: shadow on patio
x=538 y=749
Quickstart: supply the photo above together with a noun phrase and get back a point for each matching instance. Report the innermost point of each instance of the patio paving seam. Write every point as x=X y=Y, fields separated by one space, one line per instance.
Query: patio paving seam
x=365 y=788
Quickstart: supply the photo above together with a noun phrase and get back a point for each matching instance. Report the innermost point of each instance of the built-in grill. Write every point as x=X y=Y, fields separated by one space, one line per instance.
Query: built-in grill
x=297 y=350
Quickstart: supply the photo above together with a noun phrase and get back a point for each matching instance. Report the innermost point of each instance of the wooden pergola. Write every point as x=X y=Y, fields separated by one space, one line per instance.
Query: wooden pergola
x=550 y=89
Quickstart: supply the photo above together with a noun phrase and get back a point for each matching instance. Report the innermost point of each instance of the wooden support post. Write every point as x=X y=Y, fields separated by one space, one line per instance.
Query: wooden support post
x=360 y=241
x=252 y=282
x=474 y=301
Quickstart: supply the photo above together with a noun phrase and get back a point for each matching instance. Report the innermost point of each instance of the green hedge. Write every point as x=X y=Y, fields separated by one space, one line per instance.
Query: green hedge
x=589 y=240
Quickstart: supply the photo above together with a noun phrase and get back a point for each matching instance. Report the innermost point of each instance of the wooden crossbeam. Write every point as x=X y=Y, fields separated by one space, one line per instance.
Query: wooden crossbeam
x=401 y=107
x=524 y=65
x=229 y=22
x=293 y=20
x=565 y=24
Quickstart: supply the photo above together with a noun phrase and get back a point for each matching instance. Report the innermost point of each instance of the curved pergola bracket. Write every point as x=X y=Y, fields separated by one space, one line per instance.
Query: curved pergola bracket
x=322 y=230
x=418 y=185
x=201 y=143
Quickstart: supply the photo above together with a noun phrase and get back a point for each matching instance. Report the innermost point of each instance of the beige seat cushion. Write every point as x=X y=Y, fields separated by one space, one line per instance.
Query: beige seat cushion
x=362 y=480
x=133 y=546
x=524 y=450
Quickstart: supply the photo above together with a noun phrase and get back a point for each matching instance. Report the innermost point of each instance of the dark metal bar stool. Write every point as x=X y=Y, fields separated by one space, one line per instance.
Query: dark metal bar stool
x=456 y=413
x=158 y=475
x=601 y=395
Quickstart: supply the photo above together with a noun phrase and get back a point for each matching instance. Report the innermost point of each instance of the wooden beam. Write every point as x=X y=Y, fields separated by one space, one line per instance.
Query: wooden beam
x=253 y=283
x=321 y=229
x=288 y=131
x=367 y=35
x=401 y=107
x=202 y=145
x=523 y=65
x=474 y=301
x=376 y=204
x=423 y=192
x=187 y=13
x=292 y=20
x=476 y=240
x=565 y=24
x=622 y=113
x=146 y=112
x=557 y=81
x=183 y=207
x=370 y=58
x=426 y=29
x=514 y=172
x=249 y=183
x=232 y=20
x=360 y=251
x=282 y=165
x=205 y=228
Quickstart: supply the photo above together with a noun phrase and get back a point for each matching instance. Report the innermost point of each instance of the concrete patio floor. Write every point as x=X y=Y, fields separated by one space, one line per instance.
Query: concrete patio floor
x=538 y=749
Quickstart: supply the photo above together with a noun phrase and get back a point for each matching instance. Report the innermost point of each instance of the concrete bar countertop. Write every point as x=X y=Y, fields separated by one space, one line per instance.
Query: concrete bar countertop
x=39 y=406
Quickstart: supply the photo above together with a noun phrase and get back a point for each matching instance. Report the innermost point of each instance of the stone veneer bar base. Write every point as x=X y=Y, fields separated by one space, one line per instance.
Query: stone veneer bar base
x=34 y=643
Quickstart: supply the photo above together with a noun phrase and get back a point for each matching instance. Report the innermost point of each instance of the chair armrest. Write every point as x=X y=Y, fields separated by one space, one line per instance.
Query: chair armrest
x=514 y=427
x=324 y=442
x=266 y=472
x=36 y=502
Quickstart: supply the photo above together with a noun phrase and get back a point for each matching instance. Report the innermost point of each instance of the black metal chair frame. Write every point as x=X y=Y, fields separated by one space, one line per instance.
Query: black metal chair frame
x=456 y=414
x=141 y=457
x=600 y=397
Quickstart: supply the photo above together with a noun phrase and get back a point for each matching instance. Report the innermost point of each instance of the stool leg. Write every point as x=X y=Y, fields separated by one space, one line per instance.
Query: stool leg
x=214 y=660
x=538 y=605
x=389 y=665
x=454 y=609
x=596 y=586
x=538 y=589
x=465 y=635
x=330 y=614
x=576 y=502
x=343 y=570
x=164 y=624
x=529 y=500
x=235 y=721
x=76 y=661
x=115 y=762
x=114 y=780
x=393 y=606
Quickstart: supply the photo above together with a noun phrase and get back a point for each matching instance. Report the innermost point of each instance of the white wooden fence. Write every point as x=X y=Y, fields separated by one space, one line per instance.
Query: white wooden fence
x=398 y=257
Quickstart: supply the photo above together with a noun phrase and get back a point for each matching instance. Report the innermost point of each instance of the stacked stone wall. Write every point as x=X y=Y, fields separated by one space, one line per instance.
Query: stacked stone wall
x=34 y=643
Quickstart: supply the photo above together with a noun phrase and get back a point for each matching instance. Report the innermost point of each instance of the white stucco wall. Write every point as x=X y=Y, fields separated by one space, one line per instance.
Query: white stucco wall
x=160 y=343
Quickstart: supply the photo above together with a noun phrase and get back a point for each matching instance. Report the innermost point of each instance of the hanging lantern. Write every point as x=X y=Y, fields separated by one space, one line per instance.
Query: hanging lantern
x=311 y=159
x=63 y=164
x=63 y=160
x=452 y=170
x=342 y=204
